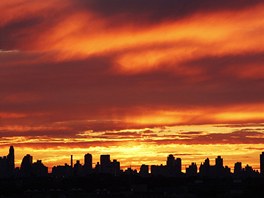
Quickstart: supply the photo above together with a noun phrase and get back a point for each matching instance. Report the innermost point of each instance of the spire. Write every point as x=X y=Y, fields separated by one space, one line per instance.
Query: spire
x=11 y=158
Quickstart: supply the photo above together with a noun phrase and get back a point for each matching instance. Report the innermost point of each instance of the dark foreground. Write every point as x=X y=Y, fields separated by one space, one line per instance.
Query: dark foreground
x=101 y=186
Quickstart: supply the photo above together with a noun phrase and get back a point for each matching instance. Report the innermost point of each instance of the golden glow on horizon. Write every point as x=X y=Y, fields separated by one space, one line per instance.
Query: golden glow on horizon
x=136 y=154
x=136 y=151
x=240 y=116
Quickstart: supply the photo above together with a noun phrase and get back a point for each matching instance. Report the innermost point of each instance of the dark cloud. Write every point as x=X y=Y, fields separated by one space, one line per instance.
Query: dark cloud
x=242 y=125
x=40 y=133
x=156 y=10
x=133 y=135
x=89 y=89
x=191 y=133
x=48 y=144
x=227 y=65
x=123 y=133
x=188 y=154
x=237 y=137
x=22 y=29
x=254 y=148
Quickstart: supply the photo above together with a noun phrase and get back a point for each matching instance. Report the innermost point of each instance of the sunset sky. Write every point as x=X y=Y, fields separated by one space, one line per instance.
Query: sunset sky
x=136 y=79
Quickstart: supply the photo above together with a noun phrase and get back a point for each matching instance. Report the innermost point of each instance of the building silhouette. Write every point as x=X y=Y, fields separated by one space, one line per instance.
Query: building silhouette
x=178 y=165
x=173 y=168
x=105 y=160
x=144 y=170
x=217 y=170
x=105 y=164
x=191 y=170
x=39 y=169
x=7 y=164
x=26 y=166
x=108 y=167
x=219 y=162
x=238 y=169
x=204 y=168
x=72 y=161
x=115 y=167
x=170 y=161
x=130 y=171
x=11 y=159
x=158 y=170
x=77 y=168
x=88 y=161
x=262 y=163
x=170 y=166
x=62 y=171
x=248 y=171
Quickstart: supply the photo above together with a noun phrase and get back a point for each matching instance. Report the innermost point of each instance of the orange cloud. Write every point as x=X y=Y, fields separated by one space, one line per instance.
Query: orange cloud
x=11 y=115
x=195 y=115
x=214 y=34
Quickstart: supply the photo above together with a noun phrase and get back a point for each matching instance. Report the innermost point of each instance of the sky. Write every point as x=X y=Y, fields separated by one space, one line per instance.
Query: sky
x=136 y=79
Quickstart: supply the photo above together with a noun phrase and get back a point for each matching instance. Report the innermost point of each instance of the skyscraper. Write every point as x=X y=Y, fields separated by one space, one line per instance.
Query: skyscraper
x=178 y=165
x=144 y=170
x=105 y=160
x=238 y=168
x=207 y=162
x=170 y=161
x=191 y=170
x=39 y=169
x=115 y=167
x=11 y=160
x=88 y=161
x=262 y=163
x=26 y=166
x=105 y=164
x=219 y=162
x=205 y=168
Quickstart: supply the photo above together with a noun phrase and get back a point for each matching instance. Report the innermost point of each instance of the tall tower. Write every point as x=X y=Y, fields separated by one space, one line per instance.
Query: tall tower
x=71 y=161
x=105 y=160
x=11 y=159
x=88 y=161
x=170 y=161
x=26 y=166
x=238 y=168
x=178 y=165
x=207 y=162
x=262 y=163
x=219 y=162
x=105 y=163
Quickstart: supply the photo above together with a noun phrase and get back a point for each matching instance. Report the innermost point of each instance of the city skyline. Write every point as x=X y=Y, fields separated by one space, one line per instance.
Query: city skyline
x=137 y=79
x=108 y=179
x=173 y=167
x=129 y=157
